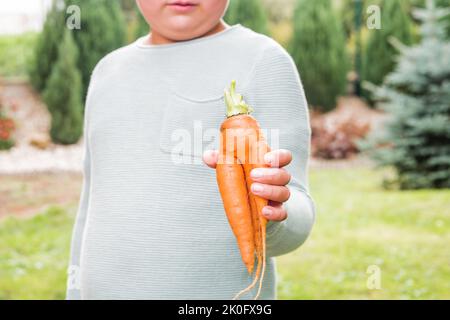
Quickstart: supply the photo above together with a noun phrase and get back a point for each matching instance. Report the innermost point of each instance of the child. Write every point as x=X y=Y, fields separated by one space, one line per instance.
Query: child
x=149 y=227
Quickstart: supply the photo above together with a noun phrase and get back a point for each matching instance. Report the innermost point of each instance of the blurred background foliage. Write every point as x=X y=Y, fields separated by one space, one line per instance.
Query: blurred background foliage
x=318 y=47
x=383 y=92
x=416 y=94
x=398 y=24
x=249 y=13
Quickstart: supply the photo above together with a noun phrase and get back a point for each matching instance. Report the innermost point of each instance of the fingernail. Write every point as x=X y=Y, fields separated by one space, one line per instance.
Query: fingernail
x=268 y=158
x=207 y=153
x=257 y=188
x=267 y=211
x=257 y=173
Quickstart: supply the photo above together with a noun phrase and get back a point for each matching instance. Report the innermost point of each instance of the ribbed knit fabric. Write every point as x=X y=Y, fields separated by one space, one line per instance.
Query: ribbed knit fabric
x=150 y=226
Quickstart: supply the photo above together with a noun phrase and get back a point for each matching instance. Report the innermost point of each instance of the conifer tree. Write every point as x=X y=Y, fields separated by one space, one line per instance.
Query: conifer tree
x=416 y=95
x=439 y=3
x=318 y=49
x=63 y=94
x=347 y=13
x=249 y=13
x=103 y=29
x=446 y=20
x=379 y=55
x=46 y=49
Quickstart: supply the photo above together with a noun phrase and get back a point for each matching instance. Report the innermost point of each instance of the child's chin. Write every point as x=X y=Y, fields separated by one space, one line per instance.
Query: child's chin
x=185 y=31
x=183 y=23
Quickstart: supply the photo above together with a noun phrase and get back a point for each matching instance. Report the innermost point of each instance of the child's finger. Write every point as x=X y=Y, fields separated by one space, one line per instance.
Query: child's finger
x=273 y=176
x=277 y=213
x=274 y=193
x=278 y=158
x=210 y=158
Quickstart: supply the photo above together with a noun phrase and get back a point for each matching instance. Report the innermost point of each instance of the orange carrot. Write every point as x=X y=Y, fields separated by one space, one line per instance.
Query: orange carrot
x=242 y=149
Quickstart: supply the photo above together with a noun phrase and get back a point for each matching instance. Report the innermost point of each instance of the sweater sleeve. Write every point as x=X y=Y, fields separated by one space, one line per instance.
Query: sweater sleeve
x=275 y=90
x=73 y=279
x=73 y=291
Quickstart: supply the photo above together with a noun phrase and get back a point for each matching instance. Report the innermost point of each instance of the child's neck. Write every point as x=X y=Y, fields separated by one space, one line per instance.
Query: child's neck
x=156 y=38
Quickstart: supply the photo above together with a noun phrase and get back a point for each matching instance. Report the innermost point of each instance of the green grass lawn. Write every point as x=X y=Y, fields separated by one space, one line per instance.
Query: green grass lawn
x=405 y=234
x=15 y=54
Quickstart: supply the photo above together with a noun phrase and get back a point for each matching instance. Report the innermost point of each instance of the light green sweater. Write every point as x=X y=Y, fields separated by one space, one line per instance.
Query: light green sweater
x=150 y=226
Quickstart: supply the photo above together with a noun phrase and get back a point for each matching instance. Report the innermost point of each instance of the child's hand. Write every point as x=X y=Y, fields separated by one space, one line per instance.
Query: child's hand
x=270 y=183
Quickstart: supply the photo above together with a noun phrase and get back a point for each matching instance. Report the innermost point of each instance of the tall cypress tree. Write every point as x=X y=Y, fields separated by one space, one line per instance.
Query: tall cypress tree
x=63 y=94
x=118 y=22
x=416 y=95
x=347 y=14
x=249 y=13
x=318 y=49
x=379 y=56
x=103 y=30
x=46 y=49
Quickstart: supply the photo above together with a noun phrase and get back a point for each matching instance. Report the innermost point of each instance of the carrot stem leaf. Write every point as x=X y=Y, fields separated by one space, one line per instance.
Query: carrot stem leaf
x=235 y=102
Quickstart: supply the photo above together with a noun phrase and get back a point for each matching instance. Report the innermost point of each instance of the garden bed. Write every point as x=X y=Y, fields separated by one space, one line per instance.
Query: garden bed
x=33 y=151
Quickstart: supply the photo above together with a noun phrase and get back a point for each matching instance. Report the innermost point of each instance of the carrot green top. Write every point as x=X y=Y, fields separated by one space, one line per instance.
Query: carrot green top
x=235 y=102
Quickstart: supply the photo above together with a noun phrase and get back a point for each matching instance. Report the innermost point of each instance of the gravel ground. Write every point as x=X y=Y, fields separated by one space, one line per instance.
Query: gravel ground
x=32 y=119
x=27 y=159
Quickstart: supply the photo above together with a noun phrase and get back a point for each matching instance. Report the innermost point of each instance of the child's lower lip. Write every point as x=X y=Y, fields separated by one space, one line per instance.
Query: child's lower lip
x=181 y=7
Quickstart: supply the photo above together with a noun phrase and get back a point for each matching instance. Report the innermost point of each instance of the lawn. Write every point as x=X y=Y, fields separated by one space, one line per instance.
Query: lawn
x=15 y=54
x=404 y=234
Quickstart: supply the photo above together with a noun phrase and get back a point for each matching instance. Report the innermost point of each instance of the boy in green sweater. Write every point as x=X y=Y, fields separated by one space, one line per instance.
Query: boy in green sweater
x=149 y=227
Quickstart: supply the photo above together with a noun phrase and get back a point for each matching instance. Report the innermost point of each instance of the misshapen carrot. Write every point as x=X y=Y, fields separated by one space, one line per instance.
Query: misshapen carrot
x=233 y=189
x=242 y=149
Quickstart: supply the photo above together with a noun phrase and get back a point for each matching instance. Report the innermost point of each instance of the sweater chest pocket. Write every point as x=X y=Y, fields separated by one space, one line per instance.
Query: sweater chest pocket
x=190 y=127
